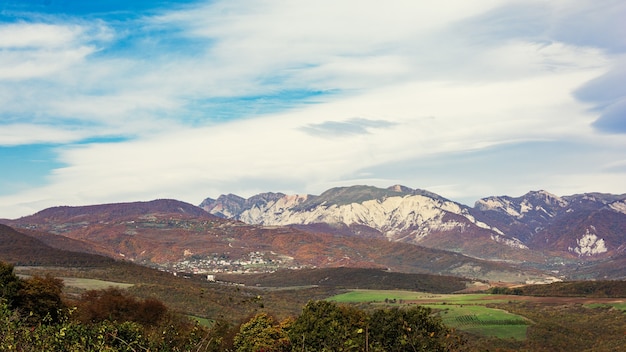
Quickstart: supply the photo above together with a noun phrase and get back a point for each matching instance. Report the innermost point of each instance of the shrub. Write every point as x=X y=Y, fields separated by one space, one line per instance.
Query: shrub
x=116 y=305
x=39 y=299
x=262 y=333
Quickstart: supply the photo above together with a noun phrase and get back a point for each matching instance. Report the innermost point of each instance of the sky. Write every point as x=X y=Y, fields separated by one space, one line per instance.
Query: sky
x=107 y=101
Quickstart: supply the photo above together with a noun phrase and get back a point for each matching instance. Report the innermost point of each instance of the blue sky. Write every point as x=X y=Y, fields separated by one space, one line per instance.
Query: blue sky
x=109 y=101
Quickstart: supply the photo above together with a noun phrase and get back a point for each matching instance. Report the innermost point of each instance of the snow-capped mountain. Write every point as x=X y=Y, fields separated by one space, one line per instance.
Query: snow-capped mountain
x=591 y=225
x=397 y=213
x=523 y=216
x=588 y=226
x=536 y=204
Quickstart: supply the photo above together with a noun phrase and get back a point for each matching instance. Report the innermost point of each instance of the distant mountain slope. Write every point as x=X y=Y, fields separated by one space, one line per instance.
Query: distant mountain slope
x=116 y=211
x=397 y=213
x=20 y=249
x=153 y=231
x=588 y=226
x=591 y=225
x=359 y=226
x=521 y=216
x=538 y=228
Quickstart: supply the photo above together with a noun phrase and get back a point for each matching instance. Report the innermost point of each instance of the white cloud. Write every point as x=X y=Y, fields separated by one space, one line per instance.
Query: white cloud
x=338 y=27
x=425 y=119
x=262 y=38
x=20 y=134
x=38 y=35
x=32 y=50
x=37 y=63
x=418 y=69
x=521 y=58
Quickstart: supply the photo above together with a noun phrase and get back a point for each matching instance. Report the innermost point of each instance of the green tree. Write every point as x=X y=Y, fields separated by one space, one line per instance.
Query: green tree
x=326 y=326
x=261 y=333
x=413 y=329
x=10 y=284
x=39 y=299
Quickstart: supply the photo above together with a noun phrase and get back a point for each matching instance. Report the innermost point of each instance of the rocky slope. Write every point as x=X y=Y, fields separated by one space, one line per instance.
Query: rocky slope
x=536 y=227
x=398 y=213
x=589 y=226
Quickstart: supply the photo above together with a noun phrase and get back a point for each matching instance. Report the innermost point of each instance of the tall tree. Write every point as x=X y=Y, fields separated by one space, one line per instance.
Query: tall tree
x=412 y=329
x=326 y=326
x=262 y=333
x=39 y=299
x=10 y=284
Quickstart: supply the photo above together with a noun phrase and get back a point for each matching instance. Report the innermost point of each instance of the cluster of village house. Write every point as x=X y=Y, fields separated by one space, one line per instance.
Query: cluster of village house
x=256 y=262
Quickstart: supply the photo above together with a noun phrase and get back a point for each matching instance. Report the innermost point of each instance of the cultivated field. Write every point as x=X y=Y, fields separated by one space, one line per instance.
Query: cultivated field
x=473 y=313
x=92 y=284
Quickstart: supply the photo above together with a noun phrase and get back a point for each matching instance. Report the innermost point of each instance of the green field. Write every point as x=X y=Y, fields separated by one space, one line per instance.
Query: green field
x=92 y=284
x=482 y=320
x=620 y=306
x=358 y=296
x=467 y=312
x=385 y=296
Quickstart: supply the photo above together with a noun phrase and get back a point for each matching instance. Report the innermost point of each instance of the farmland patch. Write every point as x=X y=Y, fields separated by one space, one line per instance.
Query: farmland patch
x=92 y=284
x=467 y=312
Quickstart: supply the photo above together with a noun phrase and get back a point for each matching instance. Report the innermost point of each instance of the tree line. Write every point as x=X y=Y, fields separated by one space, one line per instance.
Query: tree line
x=596 y=289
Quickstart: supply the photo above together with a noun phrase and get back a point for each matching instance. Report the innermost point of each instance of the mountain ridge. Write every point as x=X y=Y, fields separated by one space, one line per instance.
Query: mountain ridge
x=397 y=213
x=496 y=228
x=119 y=210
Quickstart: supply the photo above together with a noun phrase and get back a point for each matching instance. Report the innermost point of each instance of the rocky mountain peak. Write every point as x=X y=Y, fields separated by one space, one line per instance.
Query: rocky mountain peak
x=618 y=206
x=546 y=198
x=401 y=189
x=534 y=203
x=396 y=213
x=224 y=206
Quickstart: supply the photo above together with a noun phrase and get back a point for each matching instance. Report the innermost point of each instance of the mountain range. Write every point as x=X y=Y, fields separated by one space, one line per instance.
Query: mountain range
x=535 y=237
x=538 y=229
x=588 y=226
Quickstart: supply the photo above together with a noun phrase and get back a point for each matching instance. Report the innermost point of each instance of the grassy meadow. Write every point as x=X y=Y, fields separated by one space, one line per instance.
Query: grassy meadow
x=92 y=284
x=379 y=296
x=466 y=312
x=482 y=320
x=620 y=306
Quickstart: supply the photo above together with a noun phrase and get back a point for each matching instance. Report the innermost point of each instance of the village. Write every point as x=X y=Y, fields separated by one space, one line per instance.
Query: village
x=256 y=262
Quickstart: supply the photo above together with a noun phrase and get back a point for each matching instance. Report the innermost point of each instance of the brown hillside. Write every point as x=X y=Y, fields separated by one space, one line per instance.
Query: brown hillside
x=20 y=249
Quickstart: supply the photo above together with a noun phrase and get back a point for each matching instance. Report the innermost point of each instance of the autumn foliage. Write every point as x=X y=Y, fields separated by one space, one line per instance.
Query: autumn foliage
x=116 y=305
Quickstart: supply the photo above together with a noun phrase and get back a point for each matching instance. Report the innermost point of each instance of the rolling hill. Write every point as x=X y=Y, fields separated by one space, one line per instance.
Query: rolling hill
x=177 y=236
x=21 y=249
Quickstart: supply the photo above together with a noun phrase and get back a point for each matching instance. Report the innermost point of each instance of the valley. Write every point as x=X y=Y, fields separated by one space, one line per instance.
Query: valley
x=483 y=320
